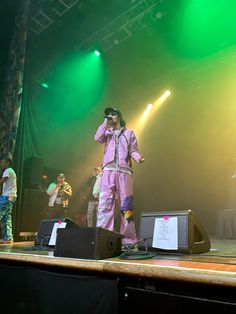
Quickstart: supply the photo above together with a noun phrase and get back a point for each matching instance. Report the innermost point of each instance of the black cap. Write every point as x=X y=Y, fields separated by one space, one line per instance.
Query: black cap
x=109 y=110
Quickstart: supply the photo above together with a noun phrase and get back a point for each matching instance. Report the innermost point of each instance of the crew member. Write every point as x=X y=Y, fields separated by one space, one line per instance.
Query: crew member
x=94 y=186
x=60 y=193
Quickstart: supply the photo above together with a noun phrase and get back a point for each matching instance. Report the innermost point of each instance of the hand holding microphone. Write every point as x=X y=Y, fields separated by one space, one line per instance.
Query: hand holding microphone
x=108 y=120
x=107 y=117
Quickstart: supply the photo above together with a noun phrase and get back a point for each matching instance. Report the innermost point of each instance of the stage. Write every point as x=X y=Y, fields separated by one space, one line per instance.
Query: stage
x=209 y=268
x=207 y=281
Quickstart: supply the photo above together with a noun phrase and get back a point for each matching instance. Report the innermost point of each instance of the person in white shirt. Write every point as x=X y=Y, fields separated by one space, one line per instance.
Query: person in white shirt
x=60 y=193
x=7 y=199
x=94 y=185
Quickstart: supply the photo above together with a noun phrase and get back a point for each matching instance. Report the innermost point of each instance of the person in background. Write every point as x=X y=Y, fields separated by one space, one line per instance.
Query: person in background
x=7 y=199
x=44 y=183
x=94 y=186
x=120 y=147
x=60 y=193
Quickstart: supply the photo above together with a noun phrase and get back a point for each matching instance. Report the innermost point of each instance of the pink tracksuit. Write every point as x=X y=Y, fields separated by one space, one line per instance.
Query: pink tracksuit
x=117 y=179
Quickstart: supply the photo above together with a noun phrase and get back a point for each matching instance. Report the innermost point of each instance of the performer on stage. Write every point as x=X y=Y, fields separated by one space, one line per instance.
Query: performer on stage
x=60 y=193
x=94 y=185
x=120 y=147
x=7 y=199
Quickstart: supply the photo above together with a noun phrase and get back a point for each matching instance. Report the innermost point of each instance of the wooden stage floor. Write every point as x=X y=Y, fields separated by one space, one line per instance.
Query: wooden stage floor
x=218 y=267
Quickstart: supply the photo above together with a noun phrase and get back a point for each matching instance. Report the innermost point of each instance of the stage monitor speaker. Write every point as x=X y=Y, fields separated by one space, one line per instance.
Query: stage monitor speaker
x=46 y=227
x=191 y=236
x=33 y=170
x=87 y=243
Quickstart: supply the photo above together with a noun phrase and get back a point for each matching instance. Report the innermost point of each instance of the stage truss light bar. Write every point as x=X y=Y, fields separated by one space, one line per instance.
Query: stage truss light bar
x=45 y=13
x=121 y=28
x=117 y=31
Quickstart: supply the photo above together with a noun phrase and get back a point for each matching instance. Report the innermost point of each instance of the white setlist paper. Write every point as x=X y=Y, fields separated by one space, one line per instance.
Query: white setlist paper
x=53 y=238
x=165 y=233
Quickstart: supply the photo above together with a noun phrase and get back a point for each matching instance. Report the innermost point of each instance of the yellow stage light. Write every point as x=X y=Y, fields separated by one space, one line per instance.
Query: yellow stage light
x=162 y=98
x=167 y=93
x=139 y=124
x=148 y=110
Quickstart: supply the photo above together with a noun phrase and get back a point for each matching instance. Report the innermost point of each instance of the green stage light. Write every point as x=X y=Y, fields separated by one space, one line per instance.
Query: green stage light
x=79 y=83
x=45 y=85
x=97 y=53
x=200 y=28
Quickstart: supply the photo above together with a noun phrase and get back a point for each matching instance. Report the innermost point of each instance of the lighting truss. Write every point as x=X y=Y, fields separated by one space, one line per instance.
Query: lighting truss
x=44 y=13
x=136 y=18
x=121 y=28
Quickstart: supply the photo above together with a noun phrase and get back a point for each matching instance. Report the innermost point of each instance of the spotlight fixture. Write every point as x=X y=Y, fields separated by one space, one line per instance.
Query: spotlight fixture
x=45 y=85
x=97 y=53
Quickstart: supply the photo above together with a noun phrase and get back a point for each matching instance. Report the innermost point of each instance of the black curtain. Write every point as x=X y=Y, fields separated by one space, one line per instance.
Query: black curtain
x=31 y=290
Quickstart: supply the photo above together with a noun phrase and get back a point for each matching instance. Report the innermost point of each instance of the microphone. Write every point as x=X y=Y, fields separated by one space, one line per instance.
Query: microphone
x=107 y=117
x=62 y=186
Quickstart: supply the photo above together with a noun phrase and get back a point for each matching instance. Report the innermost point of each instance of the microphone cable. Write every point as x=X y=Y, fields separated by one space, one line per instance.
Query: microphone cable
x=130 y=254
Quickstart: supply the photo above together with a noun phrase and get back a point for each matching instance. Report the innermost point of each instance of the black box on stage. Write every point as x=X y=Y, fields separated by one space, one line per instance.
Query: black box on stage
x=191 y=236
x=46 y=227
x=87 y=243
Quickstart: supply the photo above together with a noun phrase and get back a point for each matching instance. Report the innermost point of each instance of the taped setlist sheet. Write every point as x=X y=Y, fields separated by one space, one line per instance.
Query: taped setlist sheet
x=53 y=238
x=165 y=233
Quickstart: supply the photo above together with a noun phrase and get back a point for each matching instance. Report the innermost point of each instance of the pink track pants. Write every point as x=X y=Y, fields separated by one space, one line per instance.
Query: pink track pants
x=121 y=184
